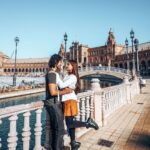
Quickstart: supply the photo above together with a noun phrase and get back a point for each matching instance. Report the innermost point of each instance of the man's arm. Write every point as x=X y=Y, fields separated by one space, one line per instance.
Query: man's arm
x=54 y=92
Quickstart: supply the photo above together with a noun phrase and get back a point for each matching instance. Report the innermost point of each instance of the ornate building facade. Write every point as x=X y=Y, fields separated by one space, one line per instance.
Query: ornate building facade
x=110 y=54
x=143 y=55
x=3 y=59
x=26 y=66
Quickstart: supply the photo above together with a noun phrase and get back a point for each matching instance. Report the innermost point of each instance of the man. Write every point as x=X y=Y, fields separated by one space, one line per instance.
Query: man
x=53 y=104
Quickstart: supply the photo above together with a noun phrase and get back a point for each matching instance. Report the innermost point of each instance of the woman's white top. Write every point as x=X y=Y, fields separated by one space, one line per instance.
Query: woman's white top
x=69 y=81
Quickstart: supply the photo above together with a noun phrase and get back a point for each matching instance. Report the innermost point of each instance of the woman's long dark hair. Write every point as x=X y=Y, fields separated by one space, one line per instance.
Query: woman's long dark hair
x=75 y=72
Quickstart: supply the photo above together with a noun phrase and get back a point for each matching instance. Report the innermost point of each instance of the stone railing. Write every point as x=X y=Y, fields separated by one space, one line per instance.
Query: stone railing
x=114 y=71
x=108 y=100
x=105 y=68
x=12 y=114
x=97 y=103
x=86 y=109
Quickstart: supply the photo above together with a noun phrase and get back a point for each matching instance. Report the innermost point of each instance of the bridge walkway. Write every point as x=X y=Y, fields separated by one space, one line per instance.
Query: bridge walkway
x=127 y=129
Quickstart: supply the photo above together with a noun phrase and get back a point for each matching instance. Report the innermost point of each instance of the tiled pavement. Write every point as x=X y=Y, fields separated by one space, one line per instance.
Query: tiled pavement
x=127 y=129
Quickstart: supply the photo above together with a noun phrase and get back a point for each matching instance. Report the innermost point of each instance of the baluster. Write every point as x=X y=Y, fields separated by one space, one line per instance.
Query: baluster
x=87 y=107
x=104 y=112
x=38 y=130
x=26 y=131
x=78 y=105
x=92 y=106
x=12 y=136
x=82 y=109
x=0 y=138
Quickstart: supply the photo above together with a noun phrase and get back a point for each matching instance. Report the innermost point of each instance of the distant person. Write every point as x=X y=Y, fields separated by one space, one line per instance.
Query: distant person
x=53 y=104
x=70 y=103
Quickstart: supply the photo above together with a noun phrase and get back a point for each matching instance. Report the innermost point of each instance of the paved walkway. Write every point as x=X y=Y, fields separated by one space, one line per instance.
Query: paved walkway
x=127 y=129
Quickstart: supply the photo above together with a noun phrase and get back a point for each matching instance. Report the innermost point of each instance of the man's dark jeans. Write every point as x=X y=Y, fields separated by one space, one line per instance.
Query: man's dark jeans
x=56 y=124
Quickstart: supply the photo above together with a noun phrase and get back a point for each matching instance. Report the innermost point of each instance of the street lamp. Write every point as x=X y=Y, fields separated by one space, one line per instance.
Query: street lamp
x=126 y=43
x=133 y=57
x=14 y=76
x=136 y=44
x=65 y=39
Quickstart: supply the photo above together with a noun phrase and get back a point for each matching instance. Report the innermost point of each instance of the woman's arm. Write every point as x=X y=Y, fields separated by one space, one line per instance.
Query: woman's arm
x=70 y=81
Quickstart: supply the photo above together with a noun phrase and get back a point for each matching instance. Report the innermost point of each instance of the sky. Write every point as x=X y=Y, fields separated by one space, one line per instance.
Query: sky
x=41 y=24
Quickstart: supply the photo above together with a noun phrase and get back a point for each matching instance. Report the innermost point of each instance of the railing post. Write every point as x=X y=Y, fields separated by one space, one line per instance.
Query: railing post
x=95 y=86
x=128 y=88
x=0 y=138
x=87 y=107
x=103 y=112
x=12 y=136
x=82 y=112
x=92 y=106
x=26 y=131
x=38 y=130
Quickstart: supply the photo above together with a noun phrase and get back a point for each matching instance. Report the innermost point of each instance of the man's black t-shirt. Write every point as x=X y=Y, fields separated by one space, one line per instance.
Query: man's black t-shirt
x=50 y=78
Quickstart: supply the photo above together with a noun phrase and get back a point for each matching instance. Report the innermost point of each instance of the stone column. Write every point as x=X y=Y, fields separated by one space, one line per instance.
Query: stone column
x=95 y=86
x=128 y=89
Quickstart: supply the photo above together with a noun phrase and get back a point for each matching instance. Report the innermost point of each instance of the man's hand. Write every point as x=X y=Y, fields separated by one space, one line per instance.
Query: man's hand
x=68 y=90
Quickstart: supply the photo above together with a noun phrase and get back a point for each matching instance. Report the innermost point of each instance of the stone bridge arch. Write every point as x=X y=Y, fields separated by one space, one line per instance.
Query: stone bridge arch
x=113 y=71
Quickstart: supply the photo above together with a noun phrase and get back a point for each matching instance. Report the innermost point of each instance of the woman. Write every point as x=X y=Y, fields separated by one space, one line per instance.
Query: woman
x=70 y=103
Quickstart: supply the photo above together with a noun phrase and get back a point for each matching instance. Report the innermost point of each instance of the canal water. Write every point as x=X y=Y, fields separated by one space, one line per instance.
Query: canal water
x=105 y=81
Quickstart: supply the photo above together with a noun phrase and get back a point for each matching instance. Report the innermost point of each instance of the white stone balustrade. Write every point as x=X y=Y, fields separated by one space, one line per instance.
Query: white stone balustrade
x=85 y=105
x=97 y=103
x=13 y=112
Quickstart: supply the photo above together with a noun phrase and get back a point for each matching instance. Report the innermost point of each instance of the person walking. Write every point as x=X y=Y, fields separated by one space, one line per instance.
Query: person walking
x=53 y=104
x=70 y=103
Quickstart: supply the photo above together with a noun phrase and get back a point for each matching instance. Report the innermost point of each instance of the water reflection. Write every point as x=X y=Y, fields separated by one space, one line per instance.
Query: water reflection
x=105 y=81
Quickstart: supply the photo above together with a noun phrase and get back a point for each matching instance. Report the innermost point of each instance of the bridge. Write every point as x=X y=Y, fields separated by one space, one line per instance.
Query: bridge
x=97 y=103
x=113 y=71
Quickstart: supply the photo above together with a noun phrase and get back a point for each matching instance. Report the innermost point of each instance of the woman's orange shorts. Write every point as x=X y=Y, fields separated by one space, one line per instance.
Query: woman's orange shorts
x=70 y=108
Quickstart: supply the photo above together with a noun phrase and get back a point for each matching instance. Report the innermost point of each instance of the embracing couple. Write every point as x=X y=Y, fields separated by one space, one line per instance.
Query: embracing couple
x=61 y=101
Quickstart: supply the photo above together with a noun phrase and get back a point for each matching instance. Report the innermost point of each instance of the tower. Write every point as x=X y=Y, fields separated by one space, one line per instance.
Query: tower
x=110 y=47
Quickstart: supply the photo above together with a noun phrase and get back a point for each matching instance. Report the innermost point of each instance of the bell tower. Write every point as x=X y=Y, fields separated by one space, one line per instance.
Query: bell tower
x=111 y=43
x=61 y=51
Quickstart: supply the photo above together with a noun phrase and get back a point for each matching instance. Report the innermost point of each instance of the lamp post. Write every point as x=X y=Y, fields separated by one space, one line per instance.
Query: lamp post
x=136 y=44
x=126 y=43
x=14 y=76
x=65 y=39
x=133 y=56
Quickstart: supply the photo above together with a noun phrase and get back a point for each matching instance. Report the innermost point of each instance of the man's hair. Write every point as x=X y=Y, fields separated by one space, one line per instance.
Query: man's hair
x=54 y=60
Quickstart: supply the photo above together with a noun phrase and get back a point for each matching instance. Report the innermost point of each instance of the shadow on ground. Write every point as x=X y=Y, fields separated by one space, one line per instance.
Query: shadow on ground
x=141 y=140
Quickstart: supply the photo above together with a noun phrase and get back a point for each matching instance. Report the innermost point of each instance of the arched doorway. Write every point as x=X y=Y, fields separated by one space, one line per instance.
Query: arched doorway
x=143 y=67
x=121 y=65
x=148 y=67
